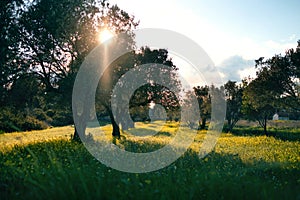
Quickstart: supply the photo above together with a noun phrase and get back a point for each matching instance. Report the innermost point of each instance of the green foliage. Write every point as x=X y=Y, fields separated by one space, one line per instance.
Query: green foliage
x=11 y=121
x=25 y=92
x=41 y=115
x=281 y=75
x=276 y=87
x=259 y=103
x=9 y=44
x=31 y=123
x=151 y=92
x=241 y=167
x=43 y=43
x=62 y=118
x=55 y=36
x=234 y=94
x=204 y=101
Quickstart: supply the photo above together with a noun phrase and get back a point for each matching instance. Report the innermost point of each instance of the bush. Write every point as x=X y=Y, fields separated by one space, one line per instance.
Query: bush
x=7 y=118
x=12 y=120
x=40 y=115
x=31 y=123
x=50 y=113
x=62 y=118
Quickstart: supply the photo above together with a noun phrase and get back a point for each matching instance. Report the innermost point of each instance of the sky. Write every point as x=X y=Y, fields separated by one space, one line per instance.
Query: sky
x=232 y=32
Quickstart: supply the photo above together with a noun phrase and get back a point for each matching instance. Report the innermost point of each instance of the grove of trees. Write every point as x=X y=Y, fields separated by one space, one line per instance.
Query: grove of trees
x=44 y=42
x=276 y=87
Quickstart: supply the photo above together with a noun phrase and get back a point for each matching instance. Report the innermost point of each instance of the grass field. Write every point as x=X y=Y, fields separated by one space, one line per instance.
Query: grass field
x=47 y=165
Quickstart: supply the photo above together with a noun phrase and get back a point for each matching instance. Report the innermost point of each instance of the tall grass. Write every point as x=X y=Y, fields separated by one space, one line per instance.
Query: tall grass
x=240 y=167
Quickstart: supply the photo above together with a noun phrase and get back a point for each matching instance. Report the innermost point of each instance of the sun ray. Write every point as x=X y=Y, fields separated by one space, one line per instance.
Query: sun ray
x=105 y=35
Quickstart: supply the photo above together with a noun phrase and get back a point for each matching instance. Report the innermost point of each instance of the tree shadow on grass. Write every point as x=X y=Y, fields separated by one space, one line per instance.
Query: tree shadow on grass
x=98 y=123
x=61 y=169
x=284 y=134
x=142 y=132
x=227 y=176
x=163 y=133
x=147 y=132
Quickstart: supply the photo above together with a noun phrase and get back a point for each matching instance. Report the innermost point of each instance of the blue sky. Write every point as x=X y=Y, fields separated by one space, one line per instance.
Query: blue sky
x=232 y=32
x=261 y=19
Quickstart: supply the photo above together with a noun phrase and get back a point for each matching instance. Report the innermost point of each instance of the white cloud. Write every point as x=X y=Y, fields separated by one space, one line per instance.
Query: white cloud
x=249 y=49
x=239 y=67
x=236 y=68
x=221 y=45
x=247 y=72
x=292 y=37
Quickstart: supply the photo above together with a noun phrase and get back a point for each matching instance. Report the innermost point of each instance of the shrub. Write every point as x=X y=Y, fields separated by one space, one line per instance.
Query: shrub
x=31 y=123
x=50 y=113
x=12 y=120
x=40 y=115
x=7 y=118
x=62 y=118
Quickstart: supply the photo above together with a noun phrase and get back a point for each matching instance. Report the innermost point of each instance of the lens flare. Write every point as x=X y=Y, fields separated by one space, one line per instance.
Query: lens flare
x=105 y=35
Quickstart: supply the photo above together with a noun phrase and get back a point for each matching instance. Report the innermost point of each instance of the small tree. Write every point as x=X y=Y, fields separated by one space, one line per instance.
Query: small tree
x=234 y=96
x=204 y=101
x=145 y=93
x=276 y=86
x=283 y=73
x=259 y=102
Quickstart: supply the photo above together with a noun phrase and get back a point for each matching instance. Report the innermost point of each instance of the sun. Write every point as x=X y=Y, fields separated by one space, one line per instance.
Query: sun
x=105 y=35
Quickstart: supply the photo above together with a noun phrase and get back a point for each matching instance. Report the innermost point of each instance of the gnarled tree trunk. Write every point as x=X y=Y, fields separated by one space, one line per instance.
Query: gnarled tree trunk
x=116 y=130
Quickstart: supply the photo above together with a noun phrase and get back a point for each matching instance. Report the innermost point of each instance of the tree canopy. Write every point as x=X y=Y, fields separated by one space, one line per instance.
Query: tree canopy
x=234 y=94
x=44 y=43
x=281 y=76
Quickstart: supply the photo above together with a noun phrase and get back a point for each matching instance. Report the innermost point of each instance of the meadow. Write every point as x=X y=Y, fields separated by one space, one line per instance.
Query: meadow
x=244 y=165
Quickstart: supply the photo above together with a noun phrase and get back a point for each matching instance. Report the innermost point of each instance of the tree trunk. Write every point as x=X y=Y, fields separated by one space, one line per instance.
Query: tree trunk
x=116 y=129
x=203 y=123
x=76 y=135
x=265 y=130
x=80 y=125
x=229 y=126
x=265 y=126
x=80 y=128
